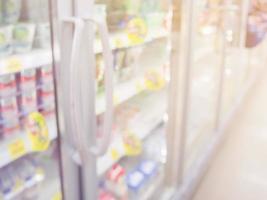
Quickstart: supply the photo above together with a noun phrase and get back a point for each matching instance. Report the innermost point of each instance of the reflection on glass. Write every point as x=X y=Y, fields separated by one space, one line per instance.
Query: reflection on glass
x=204 y=79
x=132 y=167
x=28 y=135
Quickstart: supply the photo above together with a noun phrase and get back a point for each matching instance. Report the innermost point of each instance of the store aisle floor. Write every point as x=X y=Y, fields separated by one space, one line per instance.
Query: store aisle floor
x=239 y=171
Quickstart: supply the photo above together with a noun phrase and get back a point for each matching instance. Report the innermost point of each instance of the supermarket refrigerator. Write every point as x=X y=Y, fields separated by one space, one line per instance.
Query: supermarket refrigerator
x=84 y=90
x=29 y=140
x=113 y=98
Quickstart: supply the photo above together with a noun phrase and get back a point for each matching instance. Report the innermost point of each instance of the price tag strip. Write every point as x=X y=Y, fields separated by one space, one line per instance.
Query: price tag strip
x=36 y=138
x=37 y=131
x=13 y=65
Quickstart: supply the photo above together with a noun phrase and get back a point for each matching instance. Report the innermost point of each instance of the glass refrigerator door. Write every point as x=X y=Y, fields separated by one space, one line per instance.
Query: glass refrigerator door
x=235 y=69
x=204 y=77
x=29 y=154
x=133 y=166
x=240 y=73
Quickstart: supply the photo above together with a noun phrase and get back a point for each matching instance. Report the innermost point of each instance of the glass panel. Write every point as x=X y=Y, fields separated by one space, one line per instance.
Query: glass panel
x=235 y=68
x=133 y=168
x=29 y=158
x=204 y=79
x=240 y=72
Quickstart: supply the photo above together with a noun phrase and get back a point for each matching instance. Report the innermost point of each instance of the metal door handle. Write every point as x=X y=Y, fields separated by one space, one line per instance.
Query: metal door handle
x=74 y=92
x=102 y=147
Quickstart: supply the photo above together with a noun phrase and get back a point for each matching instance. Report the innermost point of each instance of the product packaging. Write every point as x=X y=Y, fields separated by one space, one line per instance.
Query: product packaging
x=115 y=181
x=27 y=80
x=136 y=184
x=8 y=85
x=6 y=35
x=11 y=11
x=23 y=36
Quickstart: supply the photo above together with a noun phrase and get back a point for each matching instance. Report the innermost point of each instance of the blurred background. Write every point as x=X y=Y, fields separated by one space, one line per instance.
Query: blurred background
x=133 y=99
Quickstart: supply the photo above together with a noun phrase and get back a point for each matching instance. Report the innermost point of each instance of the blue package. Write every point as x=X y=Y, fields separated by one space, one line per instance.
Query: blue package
x=148 y=168
x=135 y=180
x=6 y=185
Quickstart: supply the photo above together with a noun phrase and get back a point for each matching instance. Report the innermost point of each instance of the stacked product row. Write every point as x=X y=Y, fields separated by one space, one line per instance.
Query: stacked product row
x=119 y=184
x=19 y=32
x=19 y=178
x=23 y=93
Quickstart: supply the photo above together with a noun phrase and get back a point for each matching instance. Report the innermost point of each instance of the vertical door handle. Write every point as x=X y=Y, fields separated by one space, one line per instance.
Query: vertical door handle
x=75 y=93
x=72 y=97
x=102 y=146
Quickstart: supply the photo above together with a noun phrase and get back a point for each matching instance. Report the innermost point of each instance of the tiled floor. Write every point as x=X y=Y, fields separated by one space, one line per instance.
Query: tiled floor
x=239 y=171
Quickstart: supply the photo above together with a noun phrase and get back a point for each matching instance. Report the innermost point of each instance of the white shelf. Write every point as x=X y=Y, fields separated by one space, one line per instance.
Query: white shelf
x=41 y=57
x=34 y=181
x=155 y=185
x=33 y=59
x=122 y=92
x=120 y=39
x=19 y=145
x=105 y=162
x=147 y=120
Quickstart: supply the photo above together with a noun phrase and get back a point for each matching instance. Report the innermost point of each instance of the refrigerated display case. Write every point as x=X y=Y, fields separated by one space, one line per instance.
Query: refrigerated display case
x=217 y=71
x=112 y=99
x=29 y=158
x=114 y=76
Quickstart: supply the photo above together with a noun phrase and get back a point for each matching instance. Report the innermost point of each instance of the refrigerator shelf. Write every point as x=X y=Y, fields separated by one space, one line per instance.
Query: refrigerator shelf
x=33 y=59
x=41 y=57
x=117 y=151
x=122 y=93
x=121 y=40
x=34 y=181
x=20 y=145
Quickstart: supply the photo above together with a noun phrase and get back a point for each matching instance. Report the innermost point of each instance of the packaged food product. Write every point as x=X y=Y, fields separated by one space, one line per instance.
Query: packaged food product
x=28 y=102
x=10 y=127
x=46 y=99
x=148 y=167
x=27 y=79
x=7 y=183
x=23 y=36
x=115 y=181
x=105 y=195
x=8 y=85
x=11 y=11
x=6 y=33
x=45 y=75
x=135 y=182
x=8 y=107
x=42 y=39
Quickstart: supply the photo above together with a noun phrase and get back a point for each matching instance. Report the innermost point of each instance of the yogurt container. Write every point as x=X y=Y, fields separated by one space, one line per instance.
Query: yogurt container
x=11 y=11
x=46 y=100
x=23 y=36
x=10 y=127
x=8 y=85
x=27 y=80
x=135 y=182
x=8 y=108
x=28 y=102
x=42 y=39
x=45 y=75
x=6 y=40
